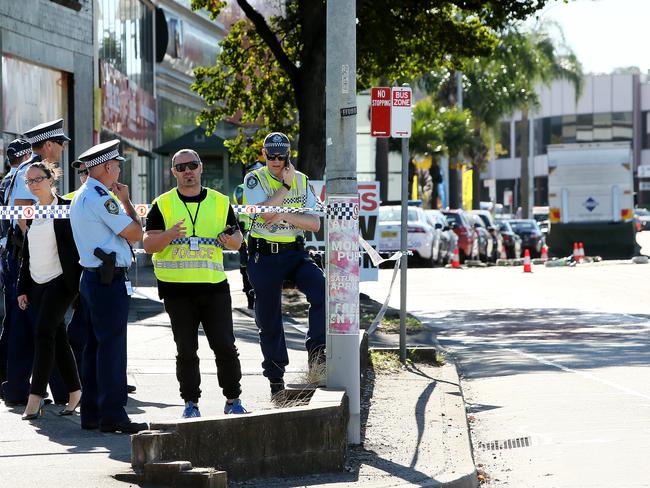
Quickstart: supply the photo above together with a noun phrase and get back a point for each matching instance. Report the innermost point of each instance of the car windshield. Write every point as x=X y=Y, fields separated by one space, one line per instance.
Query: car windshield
x=642 y=211
x=504 y=226
x=523 y=225
x=484 y=219
x=395 y=214
x=454 y=218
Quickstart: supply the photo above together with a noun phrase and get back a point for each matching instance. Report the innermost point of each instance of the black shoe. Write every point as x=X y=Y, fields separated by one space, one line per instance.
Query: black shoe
x=130 y=388
x=125 y=427
x=277 y=386
x=89 y=425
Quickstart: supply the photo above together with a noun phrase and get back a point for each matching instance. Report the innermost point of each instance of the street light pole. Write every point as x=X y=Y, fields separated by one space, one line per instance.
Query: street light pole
x=341 y=221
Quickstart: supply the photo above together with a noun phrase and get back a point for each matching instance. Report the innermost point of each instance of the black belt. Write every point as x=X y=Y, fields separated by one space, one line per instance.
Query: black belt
x=116 y=272
x=265 y=247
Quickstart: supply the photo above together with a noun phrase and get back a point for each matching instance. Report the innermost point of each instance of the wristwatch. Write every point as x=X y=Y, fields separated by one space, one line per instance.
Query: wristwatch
x=288 y=187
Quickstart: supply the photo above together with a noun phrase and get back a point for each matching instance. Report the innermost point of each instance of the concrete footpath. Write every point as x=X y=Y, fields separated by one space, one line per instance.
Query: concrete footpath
x=415 y=426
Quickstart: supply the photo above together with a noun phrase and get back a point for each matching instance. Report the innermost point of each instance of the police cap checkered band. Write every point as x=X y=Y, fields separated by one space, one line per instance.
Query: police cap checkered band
x=18 y=148
x=101 y=153
x=46 y=131
x=277 y=142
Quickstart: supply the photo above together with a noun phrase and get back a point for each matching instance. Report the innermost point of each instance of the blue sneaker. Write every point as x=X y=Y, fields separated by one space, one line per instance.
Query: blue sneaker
x=235 y=407
x=191 y=410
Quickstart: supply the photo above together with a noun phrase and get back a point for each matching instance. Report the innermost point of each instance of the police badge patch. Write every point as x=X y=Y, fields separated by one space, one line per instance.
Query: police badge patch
x=251 y=182
x=111 y=206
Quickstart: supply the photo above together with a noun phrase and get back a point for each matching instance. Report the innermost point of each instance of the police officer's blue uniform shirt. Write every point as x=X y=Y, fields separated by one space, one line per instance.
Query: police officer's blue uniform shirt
x=20 y=190
x=96 y=220
x=255 y=194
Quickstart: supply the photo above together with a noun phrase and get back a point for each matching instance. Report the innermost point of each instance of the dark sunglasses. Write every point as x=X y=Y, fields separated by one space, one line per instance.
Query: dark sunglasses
x=60 y=142
x=191 y=165
x=82 y=172
x=277 y=157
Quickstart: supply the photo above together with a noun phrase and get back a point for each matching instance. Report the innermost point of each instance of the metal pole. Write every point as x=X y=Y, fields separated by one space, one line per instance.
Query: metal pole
x=404 y=249
x=343 y=367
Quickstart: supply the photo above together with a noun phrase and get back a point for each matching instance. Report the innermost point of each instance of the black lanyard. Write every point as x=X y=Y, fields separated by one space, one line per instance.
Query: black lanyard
x=196 y=214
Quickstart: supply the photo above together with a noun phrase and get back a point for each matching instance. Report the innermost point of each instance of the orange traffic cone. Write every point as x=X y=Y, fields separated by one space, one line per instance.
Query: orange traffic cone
x=581 y=249
x=544 y=253
x=576 y=252
x=527 y=266
x=455 y=260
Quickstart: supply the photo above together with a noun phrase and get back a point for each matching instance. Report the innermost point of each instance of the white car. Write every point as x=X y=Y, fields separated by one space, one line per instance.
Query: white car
x=421 y=234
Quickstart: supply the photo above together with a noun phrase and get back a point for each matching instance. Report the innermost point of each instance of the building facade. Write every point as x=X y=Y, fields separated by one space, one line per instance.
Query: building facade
x=47 y=71
x=610 y=108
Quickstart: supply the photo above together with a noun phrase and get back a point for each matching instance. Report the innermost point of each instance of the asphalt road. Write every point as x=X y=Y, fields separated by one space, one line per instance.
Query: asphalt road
x=556 y=362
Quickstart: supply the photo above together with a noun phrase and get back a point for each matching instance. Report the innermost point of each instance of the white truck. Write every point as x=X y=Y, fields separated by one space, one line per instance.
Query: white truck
x=591 y=199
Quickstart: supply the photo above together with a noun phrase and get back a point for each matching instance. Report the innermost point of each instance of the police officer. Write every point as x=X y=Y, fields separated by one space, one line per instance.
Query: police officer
x=48 y=141
x=244 y=219
x=18 y=151
x=276 y=253
x=187 y=228
x=103 y=232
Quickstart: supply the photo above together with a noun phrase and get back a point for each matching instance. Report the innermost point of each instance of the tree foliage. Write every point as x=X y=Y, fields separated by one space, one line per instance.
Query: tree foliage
x=271 y=71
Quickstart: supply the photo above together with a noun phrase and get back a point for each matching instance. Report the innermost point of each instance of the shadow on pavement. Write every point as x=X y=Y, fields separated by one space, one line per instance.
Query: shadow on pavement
x=485 y=340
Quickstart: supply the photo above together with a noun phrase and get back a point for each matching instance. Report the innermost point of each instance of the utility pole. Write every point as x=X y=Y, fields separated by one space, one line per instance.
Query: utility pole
x=341 y=221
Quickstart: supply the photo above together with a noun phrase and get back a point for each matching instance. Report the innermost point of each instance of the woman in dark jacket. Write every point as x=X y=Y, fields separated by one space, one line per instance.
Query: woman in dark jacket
x=49 y=282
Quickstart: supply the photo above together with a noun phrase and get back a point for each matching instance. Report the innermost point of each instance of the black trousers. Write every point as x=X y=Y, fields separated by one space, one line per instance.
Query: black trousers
x=50 y=302
x=214 y=312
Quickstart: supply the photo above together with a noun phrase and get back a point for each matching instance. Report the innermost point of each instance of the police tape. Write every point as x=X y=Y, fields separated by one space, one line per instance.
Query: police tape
x=337 y=210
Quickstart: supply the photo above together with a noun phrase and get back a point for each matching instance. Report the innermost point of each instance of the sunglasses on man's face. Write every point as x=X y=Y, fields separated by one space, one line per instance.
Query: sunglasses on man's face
x=60 y=142
x=191 y=165
x=277 y=157
x=82 y=172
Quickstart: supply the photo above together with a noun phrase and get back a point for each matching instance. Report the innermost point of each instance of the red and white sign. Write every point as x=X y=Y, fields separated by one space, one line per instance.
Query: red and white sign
x=141 y=209
x=400 y=111
x=380 y=112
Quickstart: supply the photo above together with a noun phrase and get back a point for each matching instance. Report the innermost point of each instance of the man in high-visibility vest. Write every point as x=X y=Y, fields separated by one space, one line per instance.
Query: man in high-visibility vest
x=277 y=253
x=187 y=229
x=238 y=198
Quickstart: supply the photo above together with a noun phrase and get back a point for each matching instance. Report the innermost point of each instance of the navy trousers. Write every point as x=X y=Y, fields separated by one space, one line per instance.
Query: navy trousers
x=20 y=341
x=106 y=310
x=267 y=276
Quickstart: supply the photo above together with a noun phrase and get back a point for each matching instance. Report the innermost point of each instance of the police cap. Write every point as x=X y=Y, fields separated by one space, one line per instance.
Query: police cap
x=101 y=153
x=277 y=143
x=17 y=149
x=52 y=130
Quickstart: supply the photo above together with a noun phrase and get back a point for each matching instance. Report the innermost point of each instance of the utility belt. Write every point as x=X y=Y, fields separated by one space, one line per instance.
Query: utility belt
x=107 y=270
x=262 y=246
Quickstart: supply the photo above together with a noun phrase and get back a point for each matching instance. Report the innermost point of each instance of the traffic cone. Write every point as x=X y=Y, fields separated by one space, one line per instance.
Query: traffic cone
x=544 y=253
x=576 y=252
x=455 y=260
x=581 y=249
x=527 y=266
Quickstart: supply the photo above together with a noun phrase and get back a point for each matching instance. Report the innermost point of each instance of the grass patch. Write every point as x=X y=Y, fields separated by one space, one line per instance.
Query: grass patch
x=390 y=324
x=388 y=361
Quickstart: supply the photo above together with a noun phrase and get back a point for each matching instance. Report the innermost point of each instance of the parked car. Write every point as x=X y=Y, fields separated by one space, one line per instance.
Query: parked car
x=493 y=229
x=447 y=239
x=511 y=241
x=467 y=239
x=421 y=234
x=531 y=235
x=643 y=216
x=485 y=244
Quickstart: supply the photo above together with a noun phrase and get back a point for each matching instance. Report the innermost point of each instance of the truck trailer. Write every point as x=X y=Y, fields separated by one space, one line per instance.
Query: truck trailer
x=591 y=199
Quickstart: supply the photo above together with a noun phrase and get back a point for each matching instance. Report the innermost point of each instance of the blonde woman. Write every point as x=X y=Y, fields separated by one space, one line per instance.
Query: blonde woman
x=48 y=283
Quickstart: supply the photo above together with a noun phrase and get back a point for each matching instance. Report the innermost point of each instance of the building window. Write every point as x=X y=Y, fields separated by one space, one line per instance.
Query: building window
x=584 y=128
x=622 y=126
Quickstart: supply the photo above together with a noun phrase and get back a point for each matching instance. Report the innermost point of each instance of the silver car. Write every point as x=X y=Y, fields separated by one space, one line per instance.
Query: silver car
x=421 y=234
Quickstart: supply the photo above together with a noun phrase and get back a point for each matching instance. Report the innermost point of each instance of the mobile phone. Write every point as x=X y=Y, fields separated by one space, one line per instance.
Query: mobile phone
x=286 y=162
x=230 y=230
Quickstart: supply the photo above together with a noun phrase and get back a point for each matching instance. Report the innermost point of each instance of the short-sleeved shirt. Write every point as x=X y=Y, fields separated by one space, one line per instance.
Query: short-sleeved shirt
x=96 y=220
x=155 y=221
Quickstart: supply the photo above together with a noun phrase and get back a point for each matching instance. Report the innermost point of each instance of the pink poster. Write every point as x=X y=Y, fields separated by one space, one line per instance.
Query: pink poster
x=343 y=264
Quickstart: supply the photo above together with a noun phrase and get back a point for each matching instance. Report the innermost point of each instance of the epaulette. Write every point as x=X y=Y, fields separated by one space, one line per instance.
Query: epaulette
x=101 y=191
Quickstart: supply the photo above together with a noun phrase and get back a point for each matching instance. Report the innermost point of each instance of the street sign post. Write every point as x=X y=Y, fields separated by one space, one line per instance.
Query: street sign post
x=380 y=108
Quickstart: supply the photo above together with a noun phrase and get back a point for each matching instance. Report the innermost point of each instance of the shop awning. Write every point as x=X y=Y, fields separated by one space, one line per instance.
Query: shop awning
x=196 y=140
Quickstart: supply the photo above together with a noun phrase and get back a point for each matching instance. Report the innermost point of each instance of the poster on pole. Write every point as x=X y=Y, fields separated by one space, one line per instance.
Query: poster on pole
x=369 y=202
x=342 y=222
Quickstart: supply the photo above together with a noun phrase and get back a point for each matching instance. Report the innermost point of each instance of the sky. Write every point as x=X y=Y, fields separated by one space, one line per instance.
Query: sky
x=604 y=34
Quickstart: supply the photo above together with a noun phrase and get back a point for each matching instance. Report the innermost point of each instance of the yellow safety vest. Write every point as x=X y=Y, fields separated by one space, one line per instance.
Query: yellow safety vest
x=176 y=263
x=296 y=197
x=239 y=198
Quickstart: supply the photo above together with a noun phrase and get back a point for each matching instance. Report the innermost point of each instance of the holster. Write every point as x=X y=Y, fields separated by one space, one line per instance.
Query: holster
x=107 y=268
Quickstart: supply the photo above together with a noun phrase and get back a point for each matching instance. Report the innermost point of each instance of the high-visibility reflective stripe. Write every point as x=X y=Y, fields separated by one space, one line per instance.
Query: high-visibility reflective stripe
x=206 y=241
x=188 y=265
